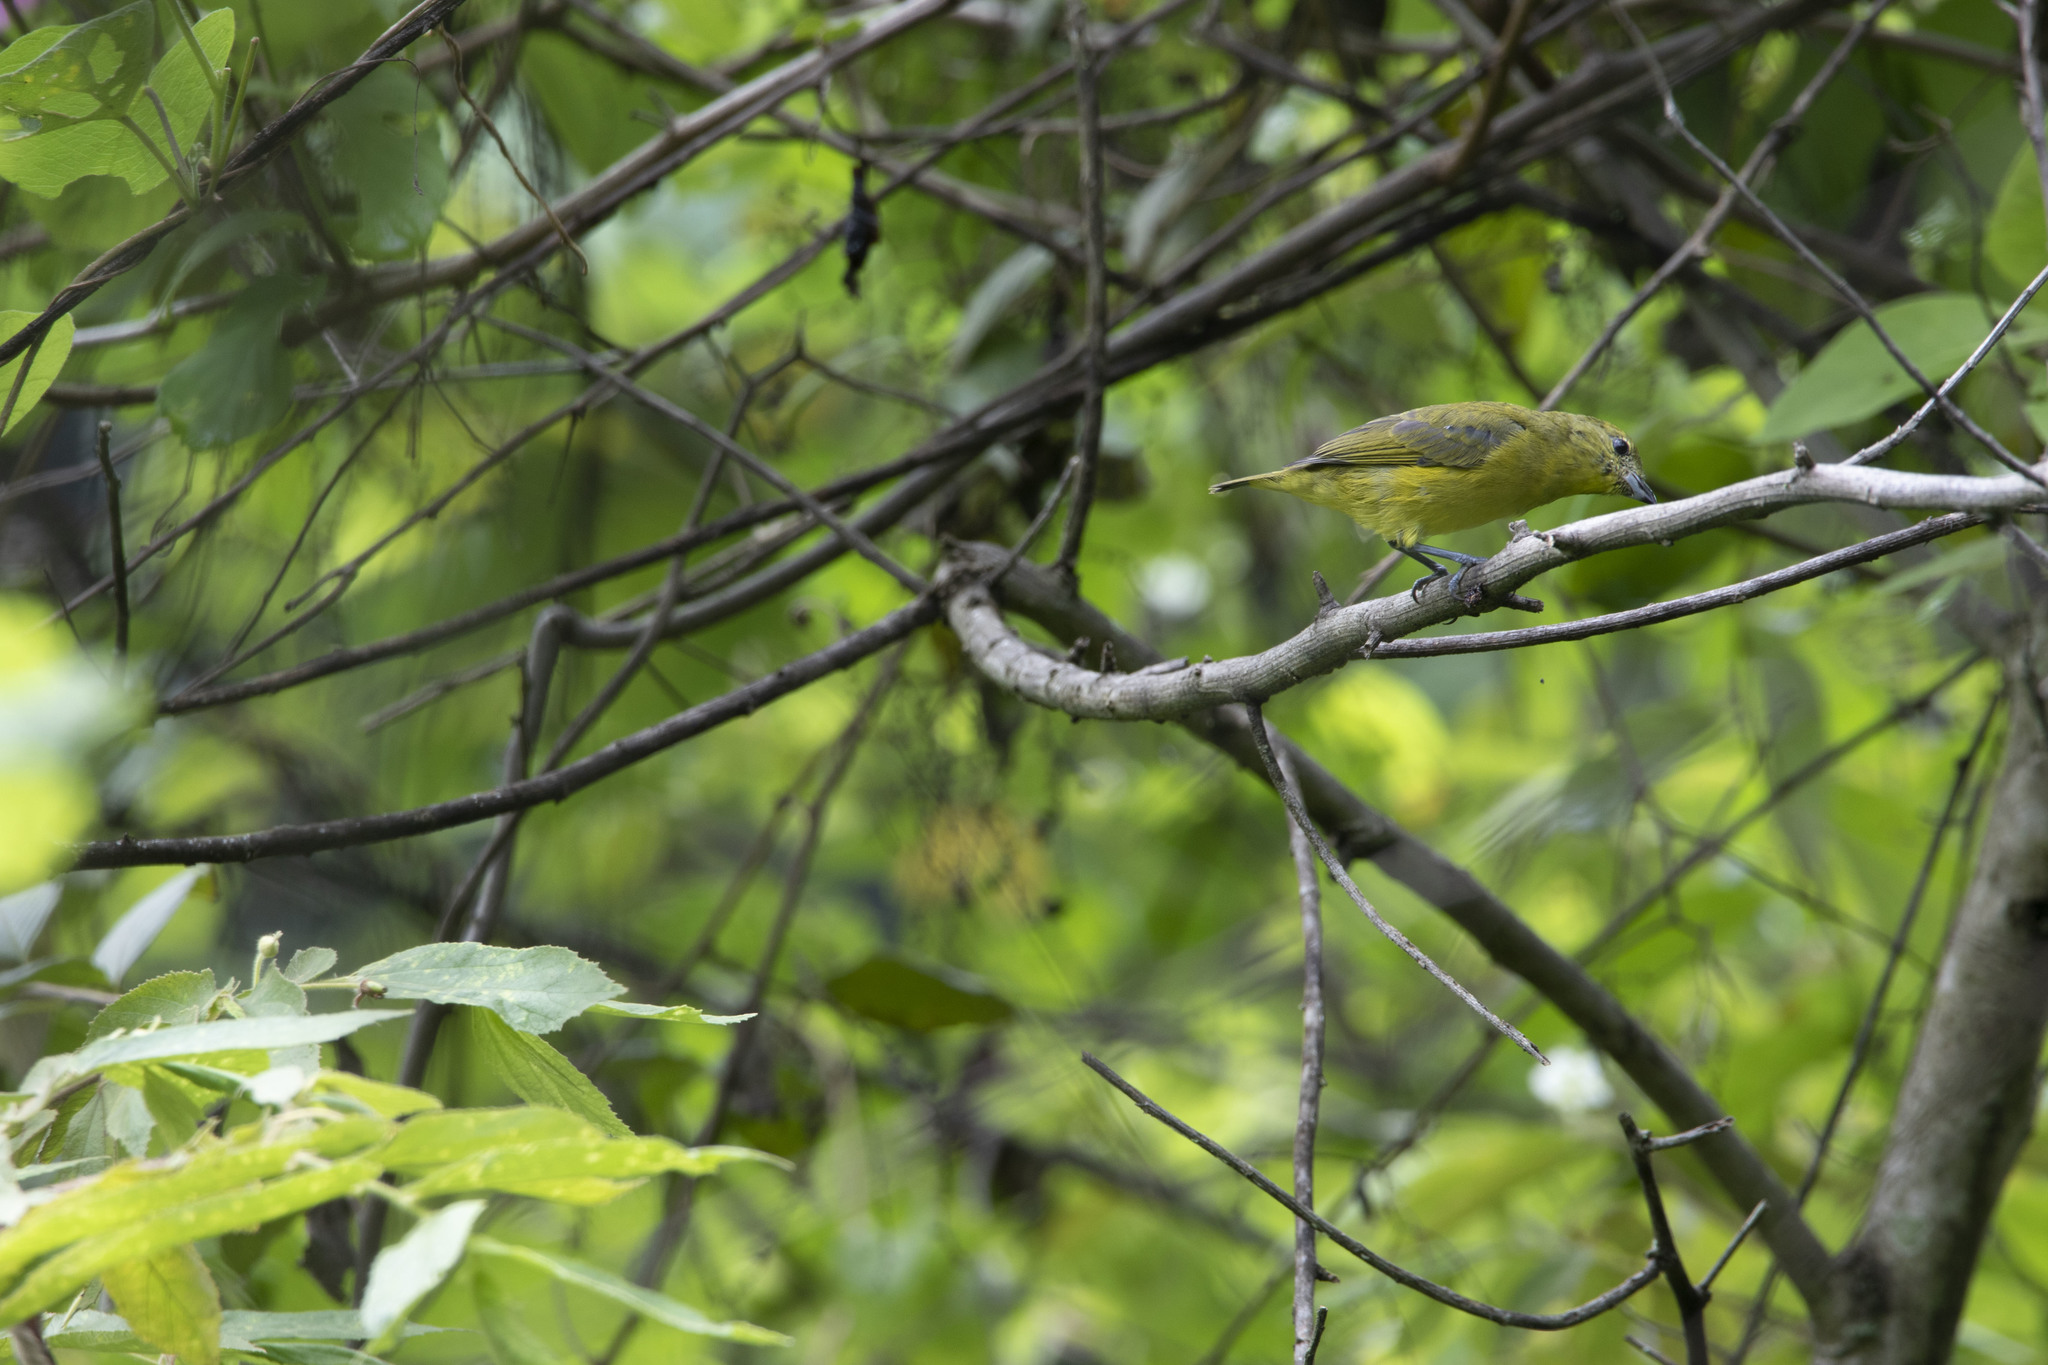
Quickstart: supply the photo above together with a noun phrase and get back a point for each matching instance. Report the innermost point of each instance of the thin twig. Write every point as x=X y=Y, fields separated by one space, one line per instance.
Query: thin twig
x=1450 y=1298
x=1308 y=891
x=1095 y=307
x=1734 y=1244
x=103 y=448
x=1292 y=800
x=1692 y=1304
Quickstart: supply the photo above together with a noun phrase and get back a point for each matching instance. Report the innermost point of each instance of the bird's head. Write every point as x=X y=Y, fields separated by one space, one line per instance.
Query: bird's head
x=1613 y=454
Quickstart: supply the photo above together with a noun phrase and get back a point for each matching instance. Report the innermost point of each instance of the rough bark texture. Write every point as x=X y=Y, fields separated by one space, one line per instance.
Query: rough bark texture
x=1968 y=1100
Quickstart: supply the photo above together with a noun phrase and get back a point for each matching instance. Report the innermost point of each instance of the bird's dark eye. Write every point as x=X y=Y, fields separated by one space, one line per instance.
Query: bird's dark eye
x=1620 y=446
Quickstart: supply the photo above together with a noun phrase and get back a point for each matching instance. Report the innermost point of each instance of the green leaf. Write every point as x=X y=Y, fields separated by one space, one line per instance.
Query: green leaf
x=1854 y=377
x=198 y=1040
x=536 y=990
x=673 y=1014
x=182 y=84
x=170 y=1302
x=894 y=992
x=2016 y=233
x=310 y=964
x=132 y=934
x=513 y=1340
x=579 y=1170
x=22 y=916
x=70 y=1269
x=173 y=998
x=450 y=1135
x=91 y=1330
x=659 y=1307
x=239 y=383
x=386 y=155
x=408 y=1271
x=377 y=1097
x=171 y=1104
x=536 y=1072
x=48 y=364
x=90 y=70
x=106 y=1207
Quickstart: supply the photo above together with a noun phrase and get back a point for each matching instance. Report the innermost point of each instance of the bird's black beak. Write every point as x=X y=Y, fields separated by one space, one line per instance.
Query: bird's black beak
x=1638 y=487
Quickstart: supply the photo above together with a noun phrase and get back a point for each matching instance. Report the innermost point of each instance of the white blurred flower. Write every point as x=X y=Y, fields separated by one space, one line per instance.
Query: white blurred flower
x=278 y=1086
x=1573 y=1082
x=1175 y=586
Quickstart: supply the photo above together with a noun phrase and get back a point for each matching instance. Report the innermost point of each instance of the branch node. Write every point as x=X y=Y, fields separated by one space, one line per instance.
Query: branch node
x=1802 y=459
x=1327 y=600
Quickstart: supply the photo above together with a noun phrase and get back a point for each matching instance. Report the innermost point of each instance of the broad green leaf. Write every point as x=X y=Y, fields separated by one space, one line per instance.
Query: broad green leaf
x=513 y=1340
x=181 y=83
x=894 y=992
x=536 y=1072
x=377 y=1097
x=310 y=964
x=132 y=934
x=22 y=916
x=133 y=1191
x=70 y=1269
x=450 y=1135
x=582 y=1170
x=412 y=1268
x=672 y=1014
x=91 y=70
x=659 y=1307
x=170 y=1302
x=386 y=156
x=198 y=1040
x=277 y=996
x=1854 y=377
x=172 y=1105
x=62 y=152
x=536 y=990
x=173 y=998
x=48 y=362
x=2015 y=235
x=239 y=383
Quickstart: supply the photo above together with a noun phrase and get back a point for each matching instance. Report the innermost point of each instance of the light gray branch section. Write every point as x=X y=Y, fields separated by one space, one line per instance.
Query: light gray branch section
x=1336 y=637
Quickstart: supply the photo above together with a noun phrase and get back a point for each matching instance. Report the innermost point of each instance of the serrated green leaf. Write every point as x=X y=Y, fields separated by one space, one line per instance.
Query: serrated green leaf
x=173 y=998
x=171 y=1104
x=658 y=1307
x=133 y=1191
x=77 y=1264
x=412 y=1268
x=536 y=1072
x=170 y=1302
x=536 y=990
x=48 y=364
x=672 y=1014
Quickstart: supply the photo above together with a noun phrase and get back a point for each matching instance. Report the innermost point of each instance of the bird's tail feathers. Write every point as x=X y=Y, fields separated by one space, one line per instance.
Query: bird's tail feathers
x=1245 y=482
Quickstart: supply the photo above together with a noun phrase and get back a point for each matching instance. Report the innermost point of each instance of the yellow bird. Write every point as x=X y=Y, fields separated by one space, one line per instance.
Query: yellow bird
x=1457 y=465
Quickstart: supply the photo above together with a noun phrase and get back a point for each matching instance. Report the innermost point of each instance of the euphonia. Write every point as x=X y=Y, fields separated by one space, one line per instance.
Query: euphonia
x=1456 y=465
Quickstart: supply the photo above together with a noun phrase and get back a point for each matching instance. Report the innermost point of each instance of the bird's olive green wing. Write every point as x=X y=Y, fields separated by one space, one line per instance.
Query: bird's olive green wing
x=1453 y=435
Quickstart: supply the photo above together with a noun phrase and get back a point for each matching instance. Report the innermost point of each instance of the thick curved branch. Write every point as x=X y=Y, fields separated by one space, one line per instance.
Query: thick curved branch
x=1361 y=831
x=1336 y=637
